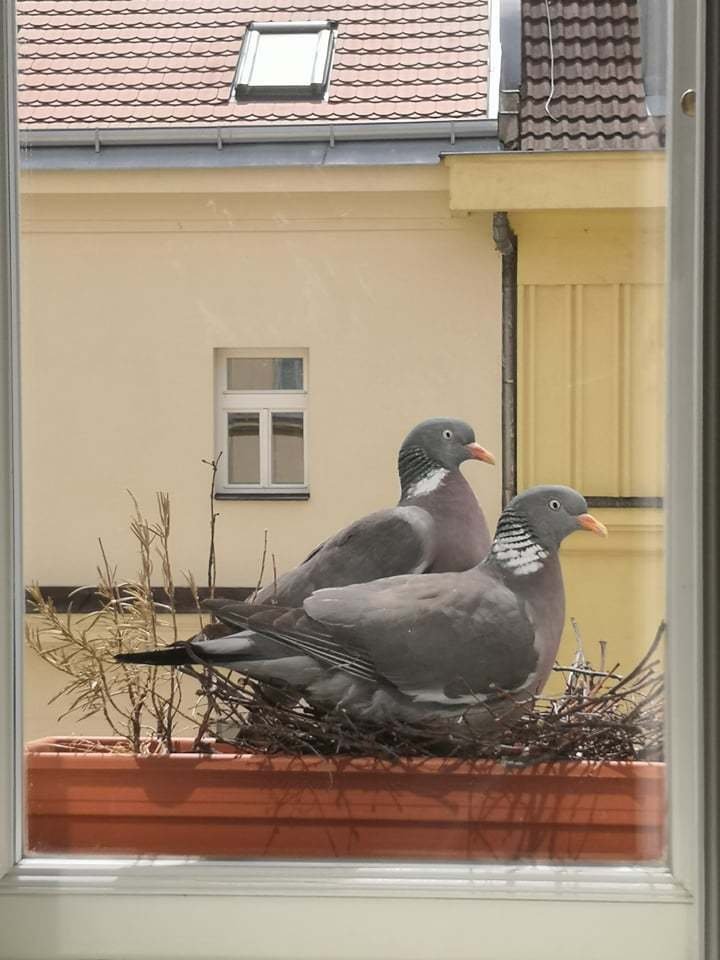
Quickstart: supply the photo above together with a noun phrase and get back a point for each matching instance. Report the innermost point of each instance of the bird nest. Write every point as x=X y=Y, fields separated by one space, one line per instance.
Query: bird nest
x=600 y=715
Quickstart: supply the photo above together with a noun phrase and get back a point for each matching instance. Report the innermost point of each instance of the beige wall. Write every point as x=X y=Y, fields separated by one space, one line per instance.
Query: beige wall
x=126 y=294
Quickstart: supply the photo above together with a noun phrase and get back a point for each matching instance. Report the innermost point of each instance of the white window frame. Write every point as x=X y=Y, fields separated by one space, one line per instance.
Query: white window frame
x=52 y=907
x=243 y=88
x=264 y=403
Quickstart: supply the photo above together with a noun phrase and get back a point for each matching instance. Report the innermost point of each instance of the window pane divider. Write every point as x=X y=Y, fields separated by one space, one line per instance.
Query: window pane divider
x=277 y=401
x=265 y=445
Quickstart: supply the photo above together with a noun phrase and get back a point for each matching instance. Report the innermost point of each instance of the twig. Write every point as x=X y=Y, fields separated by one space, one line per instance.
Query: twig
x=212 y=564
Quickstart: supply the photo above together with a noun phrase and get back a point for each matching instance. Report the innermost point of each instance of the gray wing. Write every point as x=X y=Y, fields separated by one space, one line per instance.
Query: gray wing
x=383 y=544
x=287 y=631
x=443 y=638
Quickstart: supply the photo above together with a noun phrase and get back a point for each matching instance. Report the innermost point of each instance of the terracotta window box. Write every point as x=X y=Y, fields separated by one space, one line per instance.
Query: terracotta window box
x=249 y=806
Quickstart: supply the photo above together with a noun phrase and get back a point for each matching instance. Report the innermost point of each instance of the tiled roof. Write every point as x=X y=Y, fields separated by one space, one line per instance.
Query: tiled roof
x=585 y=91
x=170 y=63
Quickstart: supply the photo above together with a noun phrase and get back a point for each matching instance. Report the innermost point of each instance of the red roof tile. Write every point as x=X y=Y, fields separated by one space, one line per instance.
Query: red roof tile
x=143 y=63
x=590 y=94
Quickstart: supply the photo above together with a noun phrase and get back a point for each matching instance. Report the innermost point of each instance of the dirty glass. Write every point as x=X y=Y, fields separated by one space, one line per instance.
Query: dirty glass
x=287 y=448
x=354 y=410
x=264 y=373
x=244 y=447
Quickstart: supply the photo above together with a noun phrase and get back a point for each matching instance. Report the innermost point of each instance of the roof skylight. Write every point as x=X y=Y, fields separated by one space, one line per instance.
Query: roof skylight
x=285 y=61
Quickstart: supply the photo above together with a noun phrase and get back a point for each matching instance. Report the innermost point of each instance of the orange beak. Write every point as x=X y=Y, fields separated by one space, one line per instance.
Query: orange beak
x=588 y=522
x=479 y=453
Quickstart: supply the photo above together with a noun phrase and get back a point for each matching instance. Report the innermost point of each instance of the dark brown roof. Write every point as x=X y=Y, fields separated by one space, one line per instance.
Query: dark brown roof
x=170 y=63
x=589 y=94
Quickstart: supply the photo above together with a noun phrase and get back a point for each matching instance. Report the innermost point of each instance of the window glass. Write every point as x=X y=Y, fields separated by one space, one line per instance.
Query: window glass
x=264 y=373
x=284 y=59
x=287 y=448
x=355 y=413
x=244 y=447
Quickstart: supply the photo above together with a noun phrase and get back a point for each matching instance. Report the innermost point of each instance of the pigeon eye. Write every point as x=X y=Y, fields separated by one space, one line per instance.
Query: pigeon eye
x=447 y=434
x=554 y=504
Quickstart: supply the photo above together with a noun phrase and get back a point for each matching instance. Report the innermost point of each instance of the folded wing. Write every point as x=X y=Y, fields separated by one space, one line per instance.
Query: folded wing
x=442 y=638
x=389 y=542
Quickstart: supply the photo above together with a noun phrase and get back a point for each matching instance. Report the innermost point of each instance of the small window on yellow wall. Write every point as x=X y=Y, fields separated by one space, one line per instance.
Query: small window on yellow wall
x=261 y=423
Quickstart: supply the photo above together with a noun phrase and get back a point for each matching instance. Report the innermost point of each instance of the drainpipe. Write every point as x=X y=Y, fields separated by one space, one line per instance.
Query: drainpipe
x=506 y=244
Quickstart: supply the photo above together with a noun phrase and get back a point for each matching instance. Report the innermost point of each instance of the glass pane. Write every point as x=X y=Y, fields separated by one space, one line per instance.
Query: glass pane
x=265 y=373
x=287 y=448
x=244 y=448
x=551 y=354
x=284 y=59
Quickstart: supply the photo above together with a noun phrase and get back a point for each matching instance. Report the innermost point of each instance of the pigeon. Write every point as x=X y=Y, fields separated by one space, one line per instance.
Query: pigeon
x=438 y=524
x=410 y=648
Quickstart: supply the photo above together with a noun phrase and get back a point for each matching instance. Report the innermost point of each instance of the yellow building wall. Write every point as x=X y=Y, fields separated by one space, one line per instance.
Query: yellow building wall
x=591 y=406
x=591 y=259
x=126 y=295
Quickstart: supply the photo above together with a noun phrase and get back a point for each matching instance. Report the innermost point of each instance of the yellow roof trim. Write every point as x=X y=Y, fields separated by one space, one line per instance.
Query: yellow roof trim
x=558 y=181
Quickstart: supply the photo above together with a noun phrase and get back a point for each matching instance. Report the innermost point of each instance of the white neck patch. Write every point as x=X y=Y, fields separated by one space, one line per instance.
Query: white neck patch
x=429 y=483
x=517 y=550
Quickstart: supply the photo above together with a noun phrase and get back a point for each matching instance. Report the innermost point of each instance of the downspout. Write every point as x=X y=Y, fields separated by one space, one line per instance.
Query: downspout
x=506 y=244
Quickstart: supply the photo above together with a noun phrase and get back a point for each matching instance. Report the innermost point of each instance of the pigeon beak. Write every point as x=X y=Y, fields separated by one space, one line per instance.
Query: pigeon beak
x=479 y=453
x=588 y=522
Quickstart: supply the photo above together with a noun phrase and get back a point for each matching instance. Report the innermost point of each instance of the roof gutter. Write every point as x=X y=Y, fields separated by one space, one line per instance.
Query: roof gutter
x=332 y=133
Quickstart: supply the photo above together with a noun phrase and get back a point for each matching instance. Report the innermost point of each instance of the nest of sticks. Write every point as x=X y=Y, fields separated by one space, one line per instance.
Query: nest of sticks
x=600 y=715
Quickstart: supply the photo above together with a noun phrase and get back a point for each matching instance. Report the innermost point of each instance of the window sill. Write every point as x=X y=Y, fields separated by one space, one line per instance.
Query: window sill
x=264 y=495
x=188 y=876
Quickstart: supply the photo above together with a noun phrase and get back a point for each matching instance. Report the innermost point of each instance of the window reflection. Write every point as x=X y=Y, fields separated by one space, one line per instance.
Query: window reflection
x=244 y=447
x=287 y=448
x=264 y=373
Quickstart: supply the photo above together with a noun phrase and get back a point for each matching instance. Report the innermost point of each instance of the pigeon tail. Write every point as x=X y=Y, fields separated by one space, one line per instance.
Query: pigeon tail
x=176 y=655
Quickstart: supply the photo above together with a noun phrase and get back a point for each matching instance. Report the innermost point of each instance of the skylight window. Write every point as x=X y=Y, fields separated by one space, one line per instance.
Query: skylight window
x=285 y=61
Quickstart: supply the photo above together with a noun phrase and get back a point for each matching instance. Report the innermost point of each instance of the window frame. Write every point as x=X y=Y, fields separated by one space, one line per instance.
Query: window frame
x=189 y=908
x=244 y=91
x=264 y=402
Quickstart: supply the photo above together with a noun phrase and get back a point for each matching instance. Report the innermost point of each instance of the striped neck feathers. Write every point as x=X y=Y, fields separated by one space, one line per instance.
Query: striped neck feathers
x=419 y=473
x=515 y=548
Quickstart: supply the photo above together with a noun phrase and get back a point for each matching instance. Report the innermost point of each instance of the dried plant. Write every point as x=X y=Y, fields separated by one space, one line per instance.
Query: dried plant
x=138 y=704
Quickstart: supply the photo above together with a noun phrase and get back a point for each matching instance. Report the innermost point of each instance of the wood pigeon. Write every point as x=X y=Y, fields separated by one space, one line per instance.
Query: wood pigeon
x=437 y=525
x=415 y=647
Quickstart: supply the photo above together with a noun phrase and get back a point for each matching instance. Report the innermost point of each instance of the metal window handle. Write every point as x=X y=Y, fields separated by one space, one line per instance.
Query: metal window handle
x=687 y=103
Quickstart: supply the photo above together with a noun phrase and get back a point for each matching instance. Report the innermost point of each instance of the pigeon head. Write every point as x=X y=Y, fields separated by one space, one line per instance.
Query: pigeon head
x=535 y=523
x=439 y=444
